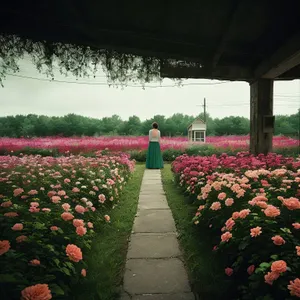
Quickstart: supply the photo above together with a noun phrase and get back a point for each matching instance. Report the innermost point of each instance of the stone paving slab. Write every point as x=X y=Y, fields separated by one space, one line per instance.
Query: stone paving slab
x=153 y=246
x=154 y=221
x=181 y=296
x=148 y=276
x=149 y=198
x=154 y=204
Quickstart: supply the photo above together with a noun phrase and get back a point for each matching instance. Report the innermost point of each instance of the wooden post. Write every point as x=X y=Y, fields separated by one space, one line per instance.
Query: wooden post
x=261 y=116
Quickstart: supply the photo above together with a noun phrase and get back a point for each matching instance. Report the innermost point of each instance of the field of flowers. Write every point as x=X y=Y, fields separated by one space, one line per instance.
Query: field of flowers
x=91 y=144
x=252 y=209
x=49 y=207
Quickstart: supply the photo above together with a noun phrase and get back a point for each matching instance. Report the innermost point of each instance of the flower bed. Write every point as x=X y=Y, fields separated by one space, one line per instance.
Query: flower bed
x=251 y=205
x=49 y=207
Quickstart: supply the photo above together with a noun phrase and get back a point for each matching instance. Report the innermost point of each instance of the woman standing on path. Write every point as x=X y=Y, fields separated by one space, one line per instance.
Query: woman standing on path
x=154 y=158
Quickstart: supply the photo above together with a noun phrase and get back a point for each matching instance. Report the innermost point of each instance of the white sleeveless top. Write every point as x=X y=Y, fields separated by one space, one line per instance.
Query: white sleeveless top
x=154 y=138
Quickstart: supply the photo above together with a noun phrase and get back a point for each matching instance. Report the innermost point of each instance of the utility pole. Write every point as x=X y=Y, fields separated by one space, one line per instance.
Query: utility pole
x=204 y=109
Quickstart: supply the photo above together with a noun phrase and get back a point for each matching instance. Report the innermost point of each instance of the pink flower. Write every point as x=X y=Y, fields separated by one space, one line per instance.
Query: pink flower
x=221 y=196
x=45 y=209
x=35 y=262
x=66 y=206
x=4 y=246
x=75 y=190
x=83 y=272
x=90 y=225
x=35 y=204
x=55 y=199
x=18 y=192
x=95 y=188
x=244 y=213
x=107 y=218
x=54 y=228
x=235 y=215
x=294 y=287
x=67 y=180
x=272 y=211
x=101 y=198
x=80 y=230
x=296 y=225
x=278 y=266
x=51 y=193
x=11 y=214
x=80 y=209
x=61 y=193
x=270 y=277
x=228 y=271
x=292 y=203
x=215 y=206
x=6 y=204
x=229 y=201
x=34 y=209
x=74 y=253
x=78 y=222
x=67 y=216
x=18 y=227
x=33 y=192
x=278 y=240
x=21 y=238
x=298 y=250
x=251 y=269
x=36 y=292
x=229 y=224
x=254 y=232
x=225 y=237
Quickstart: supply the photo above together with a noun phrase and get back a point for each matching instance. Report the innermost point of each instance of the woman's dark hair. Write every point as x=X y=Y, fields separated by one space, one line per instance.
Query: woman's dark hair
x=155 y=125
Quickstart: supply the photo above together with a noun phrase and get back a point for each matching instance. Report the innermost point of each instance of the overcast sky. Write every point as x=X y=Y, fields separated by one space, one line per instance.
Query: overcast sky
x=24 y=96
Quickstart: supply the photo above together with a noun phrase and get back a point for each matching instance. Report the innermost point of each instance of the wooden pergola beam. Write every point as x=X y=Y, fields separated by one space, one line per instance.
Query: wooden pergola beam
x=225 y=37
x=283 y=59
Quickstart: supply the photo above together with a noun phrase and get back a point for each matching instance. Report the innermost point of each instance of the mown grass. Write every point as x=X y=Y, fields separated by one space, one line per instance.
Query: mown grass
x=205 y=270
x=106 y=260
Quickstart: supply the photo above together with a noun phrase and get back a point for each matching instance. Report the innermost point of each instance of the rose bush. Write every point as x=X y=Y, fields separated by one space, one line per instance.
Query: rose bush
x=251 y=205
x=49 y=207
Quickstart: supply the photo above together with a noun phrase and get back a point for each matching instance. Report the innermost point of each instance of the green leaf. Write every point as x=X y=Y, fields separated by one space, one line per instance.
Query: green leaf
x=66 y=271
x=274 y=257
x=7 y=278
x=56 y=289
x=265 y=265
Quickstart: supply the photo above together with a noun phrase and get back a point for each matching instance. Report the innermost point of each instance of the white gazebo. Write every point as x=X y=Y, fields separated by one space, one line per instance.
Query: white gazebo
x=197 y=131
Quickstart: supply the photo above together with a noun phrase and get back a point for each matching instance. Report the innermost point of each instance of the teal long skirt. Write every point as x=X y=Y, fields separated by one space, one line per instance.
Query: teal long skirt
x=154 y=158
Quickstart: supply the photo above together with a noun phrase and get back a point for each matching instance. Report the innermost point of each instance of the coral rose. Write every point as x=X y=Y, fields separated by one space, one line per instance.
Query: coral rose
x=254 y=232
x=298 y=250
x=35 y=262
x=278 y=266
x=18 y=192
x=4 y=246
x=292 y=203
x=21 y=238
x=215 y=206
x=66 y=206
x=90 y=225
x=78 y=222
x=55 y=199
x=296 y=225
x=67 y=216
x=80 y=209
x=272 y=211
x=36 y=292
x=221 y=196
x=74 y=253
x=83 y=272
x=229 y=202
x=270 y=277
x=294 y=287
x=6 y=204
x=11 y=214
x=18 y=227
x=225 y=237
x=278 y=240
x=80 y=230
x=54 y=228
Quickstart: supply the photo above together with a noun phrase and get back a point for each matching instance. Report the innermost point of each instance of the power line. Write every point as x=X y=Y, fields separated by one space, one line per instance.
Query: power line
x=106 y=84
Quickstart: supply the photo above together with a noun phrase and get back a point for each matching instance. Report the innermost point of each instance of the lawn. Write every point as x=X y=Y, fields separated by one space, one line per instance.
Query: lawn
x=202 y=265
x=106 y=260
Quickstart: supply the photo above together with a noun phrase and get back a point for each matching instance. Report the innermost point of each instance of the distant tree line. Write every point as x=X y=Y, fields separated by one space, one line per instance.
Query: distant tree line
x=74 y=125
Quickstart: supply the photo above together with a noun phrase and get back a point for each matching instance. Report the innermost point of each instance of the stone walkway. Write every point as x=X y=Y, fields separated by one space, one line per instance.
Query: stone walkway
x=154 y=269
